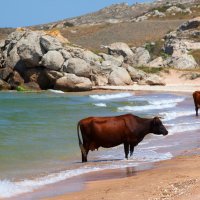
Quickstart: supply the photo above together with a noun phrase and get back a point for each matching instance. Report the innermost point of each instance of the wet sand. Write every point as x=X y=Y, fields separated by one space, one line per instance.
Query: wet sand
x=177 y=179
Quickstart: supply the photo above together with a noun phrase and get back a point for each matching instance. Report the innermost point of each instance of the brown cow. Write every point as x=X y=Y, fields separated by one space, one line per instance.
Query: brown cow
x=196 y=97
x=112 y=131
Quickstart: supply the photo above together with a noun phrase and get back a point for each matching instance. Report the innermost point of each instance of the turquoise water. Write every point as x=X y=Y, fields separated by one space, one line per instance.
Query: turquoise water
x=38 y=134
x=38 y=130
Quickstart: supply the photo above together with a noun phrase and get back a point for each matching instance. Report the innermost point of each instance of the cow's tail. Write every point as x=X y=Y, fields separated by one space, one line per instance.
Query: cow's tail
x=79 y=140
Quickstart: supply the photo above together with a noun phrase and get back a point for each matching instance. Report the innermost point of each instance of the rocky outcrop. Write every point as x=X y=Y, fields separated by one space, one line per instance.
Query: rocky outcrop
x=119 y=76
x=179 y=44
x=71 y=82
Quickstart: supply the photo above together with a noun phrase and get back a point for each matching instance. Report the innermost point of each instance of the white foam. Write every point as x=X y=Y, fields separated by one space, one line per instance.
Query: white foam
x=146 y=107
x=56 y=91
x=174 y=115
x=111 y=96
x=166 y=101
x=100 y=104
x=183 y=127
x=9 y=188
x=155 y=104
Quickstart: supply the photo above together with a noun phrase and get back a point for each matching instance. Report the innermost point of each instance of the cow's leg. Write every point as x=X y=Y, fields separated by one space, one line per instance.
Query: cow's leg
x=131 y=149
x=84 y=155
x=196 y=108
x=126 y=150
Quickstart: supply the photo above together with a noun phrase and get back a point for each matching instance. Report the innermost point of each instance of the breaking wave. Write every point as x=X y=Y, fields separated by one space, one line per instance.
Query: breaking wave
x=111 y=96
x=153 y=105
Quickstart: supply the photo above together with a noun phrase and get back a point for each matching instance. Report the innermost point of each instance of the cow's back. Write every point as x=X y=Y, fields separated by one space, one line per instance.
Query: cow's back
x=105 y=131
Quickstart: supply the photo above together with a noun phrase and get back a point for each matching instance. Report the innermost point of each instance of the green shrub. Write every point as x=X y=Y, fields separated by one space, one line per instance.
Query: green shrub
x=21 y=89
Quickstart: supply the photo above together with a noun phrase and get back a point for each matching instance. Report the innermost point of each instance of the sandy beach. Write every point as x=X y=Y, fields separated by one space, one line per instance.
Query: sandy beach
x=175 y=179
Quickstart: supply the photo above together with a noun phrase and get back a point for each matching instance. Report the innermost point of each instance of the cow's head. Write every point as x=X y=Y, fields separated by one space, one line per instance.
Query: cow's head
x=157 y=127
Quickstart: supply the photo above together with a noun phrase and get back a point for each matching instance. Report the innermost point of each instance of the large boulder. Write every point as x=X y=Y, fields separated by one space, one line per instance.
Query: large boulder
x=136 y=74
x=184 y=61
x=90 y=57
x=156 y=63
x=113 y=60
x=119 y=76
x=29 y=49
x=5 y=73
x=53 y=75
x=4 y=85
x=50 y=43
x=141 y=56
x=71 y=82
x=120 y=48
x=191 y=24
x=78 y=67
x=152 y=79
x=52 y=60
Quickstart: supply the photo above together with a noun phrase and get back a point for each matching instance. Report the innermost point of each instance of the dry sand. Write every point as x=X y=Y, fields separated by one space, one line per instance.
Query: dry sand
x=175 y=179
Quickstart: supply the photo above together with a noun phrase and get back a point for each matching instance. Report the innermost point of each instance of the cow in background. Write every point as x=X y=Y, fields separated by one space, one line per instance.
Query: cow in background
x=109 y=132
x=196 y=97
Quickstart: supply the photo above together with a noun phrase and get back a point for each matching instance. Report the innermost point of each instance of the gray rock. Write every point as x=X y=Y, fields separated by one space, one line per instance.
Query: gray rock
x=136 y=74
x=184 y=61
x=29 y=49
x=174 y=9
x=120 y=48
x=66 y=55
x=78 y=67
x=71 y=82
x=156 y=63
x=152 y=80
x=50 y=43
x=53 y=75
x=5 y=73
x=90 y=57
x=52 y=60
x=115 y=61
x=191 y=24
x=119 y=76
x=4 y=85
x=141 y=57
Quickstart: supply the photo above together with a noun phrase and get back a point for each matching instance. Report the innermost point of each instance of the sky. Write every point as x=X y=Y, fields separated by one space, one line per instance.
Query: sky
x=19 y=13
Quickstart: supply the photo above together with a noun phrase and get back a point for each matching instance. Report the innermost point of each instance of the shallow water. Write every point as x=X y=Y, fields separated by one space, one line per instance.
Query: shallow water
x=38 y=139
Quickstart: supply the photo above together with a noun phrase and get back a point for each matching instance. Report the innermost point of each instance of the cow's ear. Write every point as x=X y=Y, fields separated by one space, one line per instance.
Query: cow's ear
x=156 y=121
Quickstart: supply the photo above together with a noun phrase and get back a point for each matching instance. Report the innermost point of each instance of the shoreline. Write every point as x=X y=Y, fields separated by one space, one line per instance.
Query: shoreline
x=86 y=189
x=166 y=88
x=177 y=178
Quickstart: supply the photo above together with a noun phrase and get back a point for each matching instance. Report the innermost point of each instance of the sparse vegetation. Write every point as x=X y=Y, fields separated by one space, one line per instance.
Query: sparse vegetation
x=155 y=49
x=151 y=70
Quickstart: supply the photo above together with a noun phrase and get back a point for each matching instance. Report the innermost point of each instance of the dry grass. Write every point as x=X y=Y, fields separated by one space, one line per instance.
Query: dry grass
x=196 y=55
x=4 y=32
x=134 y=34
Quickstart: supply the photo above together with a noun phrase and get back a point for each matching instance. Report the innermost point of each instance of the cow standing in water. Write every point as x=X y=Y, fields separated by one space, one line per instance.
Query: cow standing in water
x=112 y=131
x=196 y=97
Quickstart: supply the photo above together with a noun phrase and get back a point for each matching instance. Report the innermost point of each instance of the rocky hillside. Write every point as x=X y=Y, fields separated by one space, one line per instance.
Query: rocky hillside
x=46 y=60
x=117 y=13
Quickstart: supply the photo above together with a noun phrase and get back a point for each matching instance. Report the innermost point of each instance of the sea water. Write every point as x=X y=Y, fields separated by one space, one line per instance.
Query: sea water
x=38 y=134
